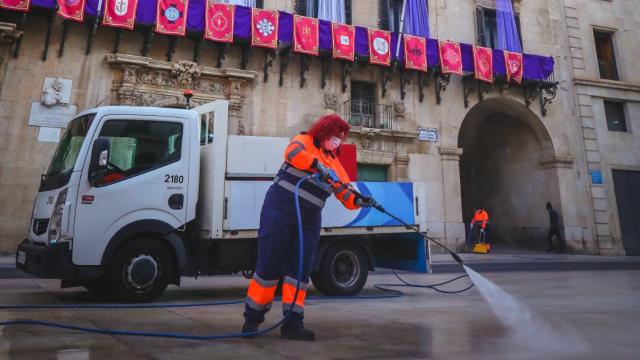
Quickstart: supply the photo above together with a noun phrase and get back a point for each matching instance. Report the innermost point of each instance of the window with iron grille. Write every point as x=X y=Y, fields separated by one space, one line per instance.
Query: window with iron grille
x=614 y=112
x=310 y=8
x=487 y=27
x=363 y=102
x=606 y=55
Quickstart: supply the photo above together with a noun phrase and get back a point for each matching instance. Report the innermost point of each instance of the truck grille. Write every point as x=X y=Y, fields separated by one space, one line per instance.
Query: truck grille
x=40 y=226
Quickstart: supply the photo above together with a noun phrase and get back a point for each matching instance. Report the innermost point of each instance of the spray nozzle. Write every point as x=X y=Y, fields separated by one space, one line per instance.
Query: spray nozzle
x=456 y=258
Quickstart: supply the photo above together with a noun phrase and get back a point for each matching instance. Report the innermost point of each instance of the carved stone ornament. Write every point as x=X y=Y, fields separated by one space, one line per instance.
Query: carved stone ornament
x=399 y=109
x=55 y=91
x=330 y=101
x=369 y=137
x=8 y=33
x=143 y=81
x=186 y=72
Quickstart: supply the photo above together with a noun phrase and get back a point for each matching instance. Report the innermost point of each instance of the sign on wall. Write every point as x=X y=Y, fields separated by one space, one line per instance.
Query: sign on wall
x=428 y=134
x=596 y=177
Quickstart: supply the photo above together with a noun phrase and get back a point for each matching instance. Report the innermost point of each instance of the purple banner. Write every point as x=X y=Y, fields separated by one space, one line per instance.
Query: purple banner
x=535 y=67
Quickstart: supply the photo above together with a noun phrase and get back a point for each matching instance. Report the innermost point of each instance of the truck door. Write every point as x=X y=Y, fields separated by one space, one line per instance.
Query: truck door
x=146 y=179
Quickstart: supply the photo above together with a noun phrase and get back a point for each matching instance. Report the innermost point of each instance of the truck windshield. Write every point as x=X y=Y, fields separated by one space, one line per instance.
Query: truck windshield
x=64 y=158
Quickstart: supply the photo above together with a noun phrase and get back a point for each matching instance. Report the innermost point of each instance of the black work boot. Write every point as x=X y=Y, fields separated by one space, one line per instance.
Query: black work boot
x=252 y=320
x=293 y=329
x=250 y=327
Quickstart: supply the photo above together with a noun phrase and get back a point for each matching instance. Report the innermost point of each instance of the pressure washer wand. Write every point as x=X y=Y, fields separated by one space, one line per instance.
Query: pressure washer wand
x=415 y=228
x=380 y=208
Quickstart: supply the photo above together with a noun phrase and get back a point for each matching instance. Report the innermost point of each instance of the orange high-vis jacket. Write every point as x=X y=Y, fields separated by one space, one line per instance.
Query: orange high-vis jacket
x=480 y=216
x=303 y=153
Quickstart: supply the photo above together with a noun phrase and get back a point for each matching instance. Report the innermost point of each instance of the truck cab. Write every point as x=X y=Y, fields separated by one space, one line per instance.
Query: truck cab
x=117 y=171
x=136 y=197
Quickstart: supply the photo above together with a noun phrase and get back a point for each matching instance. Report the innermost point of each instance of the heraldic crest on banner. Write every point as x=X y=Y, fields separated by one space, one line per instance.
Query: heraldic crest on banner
x=483 y=63
x=415 y=50
x=264 y=28
x=120 y=13
x=219 y=22
x=343 y=39
x=171 y=18
x=306 y=38
x=450 y=57
x=379 y=47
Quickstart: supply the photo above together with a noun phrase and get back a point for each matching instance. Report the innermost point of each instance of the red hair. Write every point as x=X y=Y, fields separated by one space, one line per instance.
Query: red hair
x=328 y=126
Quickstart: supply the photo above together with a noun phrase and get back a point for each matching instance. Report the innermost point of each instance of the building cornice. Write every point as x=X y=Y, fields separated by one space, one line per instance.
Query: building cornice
x=150 y=63
x=608 y=84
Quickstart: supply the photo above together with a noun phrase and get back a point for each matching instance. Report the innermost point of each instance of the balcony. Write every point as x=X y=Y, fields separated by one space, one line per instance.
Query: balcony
x=369 y=115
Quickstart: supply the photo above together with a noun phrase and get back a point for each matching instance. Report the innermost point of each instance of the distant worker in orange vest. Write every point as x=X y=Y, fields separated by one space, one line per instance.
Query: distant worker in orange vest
x=478 y=225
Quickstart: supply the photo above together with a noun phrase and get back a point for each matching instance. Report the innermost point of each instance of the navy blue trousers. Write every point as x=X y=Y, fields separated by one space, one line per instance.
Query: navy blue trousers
x=278 y=243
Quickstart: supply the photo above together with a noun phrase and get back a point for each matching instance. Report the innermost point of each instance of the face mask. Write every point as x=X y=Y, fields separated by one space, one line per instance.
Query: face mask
x=332 y=143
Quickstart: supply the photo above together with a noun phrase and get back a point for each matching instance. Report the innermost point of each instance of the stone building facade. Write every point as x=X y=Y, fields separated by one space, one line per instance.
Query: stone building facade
x=496 y=148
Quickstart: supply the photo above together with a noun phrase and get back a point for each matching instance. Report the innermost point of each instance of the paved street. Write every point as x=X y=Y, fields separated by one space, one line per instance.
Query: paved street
x=596 y=311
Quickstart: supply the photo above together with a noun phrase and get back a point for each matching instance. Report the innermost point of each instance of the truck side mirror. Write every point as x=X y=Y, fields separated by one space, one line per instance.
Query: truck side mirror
x=99 y=160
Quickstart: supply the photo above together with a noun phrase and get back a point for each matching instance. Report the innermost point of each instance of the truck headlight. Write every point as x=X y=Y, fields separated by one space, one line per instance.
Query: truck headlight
x=56 y=218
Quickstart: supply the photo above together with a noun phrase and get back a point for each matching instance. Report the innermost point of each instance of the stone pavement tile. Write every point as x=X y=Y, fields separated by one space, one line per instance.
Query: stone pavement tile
x=600 y=306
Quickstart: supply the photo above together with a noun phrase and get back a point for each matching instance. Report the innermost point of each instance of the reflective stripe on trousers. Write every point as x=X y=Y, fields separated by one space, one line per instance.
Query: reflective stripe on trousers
x=260 y=293
x=288 y=292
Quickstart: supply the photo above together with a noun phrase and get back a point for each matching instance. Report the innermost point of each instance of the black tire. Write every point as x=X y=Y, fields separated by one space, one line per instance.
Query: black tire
x=99 y=287
x=343 y=270
x=140 y=271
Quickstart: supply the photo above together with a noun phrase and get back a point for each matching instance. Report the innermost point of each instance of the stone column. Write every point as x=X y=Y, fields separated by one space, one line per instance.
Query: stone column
x=559 y=170
x=452 y=200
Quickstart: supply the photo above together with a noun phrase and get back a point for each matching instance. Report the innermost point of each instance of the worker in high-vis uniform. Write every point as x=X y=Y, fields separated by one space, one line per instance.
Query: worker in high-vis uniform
x=479 y=224
x=312 y=152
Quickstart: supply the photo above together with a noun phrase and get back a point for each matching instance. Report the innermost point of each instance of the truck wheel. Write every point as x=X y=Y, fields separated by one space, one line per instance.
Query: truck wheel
x=343 y=270
x=140 y=271
x=99 y=287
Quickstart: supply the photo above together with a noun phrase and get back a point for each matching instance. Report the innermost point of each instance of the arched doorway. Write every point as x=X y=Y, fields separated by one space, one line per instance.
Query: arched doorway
x=505 y=145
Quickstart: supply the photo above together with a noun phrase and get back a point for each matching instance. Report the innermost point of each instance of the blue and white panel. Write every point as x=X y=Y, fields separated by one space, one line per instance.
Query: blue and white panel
x=245 y=198
x=397 y=198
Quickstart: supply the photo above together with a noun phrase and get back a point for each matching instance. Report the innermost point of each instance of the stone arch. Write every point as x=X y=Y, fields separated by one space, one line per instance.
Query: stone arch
x=505 y=167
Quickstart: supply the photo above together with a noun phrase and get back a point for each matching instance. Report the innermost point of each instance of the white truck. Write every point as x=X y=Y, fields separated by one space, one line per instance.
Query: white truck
x=136 y=197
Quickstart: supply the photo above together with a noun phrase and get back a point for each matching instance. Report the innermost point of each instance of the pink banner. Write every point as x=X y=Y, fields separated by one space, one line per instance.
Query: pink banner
x=17 y=5
x=514 y=65
x=219 y=22
x=306 y=38
x=264 y=28
x=483 y=63
x=344 y=41
x=171 y=18
x=450 y=57
x=379 y=47
x=71 y=9
x=415 y=53
x=120 y=13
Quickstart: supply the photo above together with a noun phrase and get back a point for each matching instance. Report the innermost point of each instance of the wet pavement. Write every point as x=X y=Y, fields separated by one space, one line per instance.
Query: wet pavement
x=601 y=308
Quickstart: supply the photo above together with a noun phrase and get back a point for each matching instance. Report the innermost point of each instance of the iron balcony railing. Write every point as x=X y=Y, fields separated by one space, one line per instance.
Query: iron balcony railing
x=368 y=114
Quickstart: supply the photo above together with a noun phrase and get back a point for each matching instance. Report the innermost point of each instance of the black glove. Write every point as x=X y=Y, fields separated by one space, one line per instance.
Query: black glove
x=365 y=201
x=326 y=173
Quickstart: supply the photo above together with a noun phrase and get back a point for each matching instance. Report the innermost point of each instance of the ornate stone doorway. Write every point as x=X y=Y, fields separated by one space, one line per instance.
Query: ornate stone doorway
x=143 y=81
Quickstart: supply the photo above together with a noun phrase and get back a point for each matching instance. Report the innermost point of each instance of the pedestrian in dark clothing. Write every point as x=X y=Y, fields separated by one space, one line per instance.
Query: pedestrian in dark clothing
x=554 y=229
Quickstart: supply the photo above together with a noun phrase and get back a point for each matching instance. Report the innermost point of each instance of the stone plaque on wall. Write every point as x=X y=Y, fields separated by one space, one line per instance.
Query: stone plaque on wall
x=55 y=116
x=53 y=110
